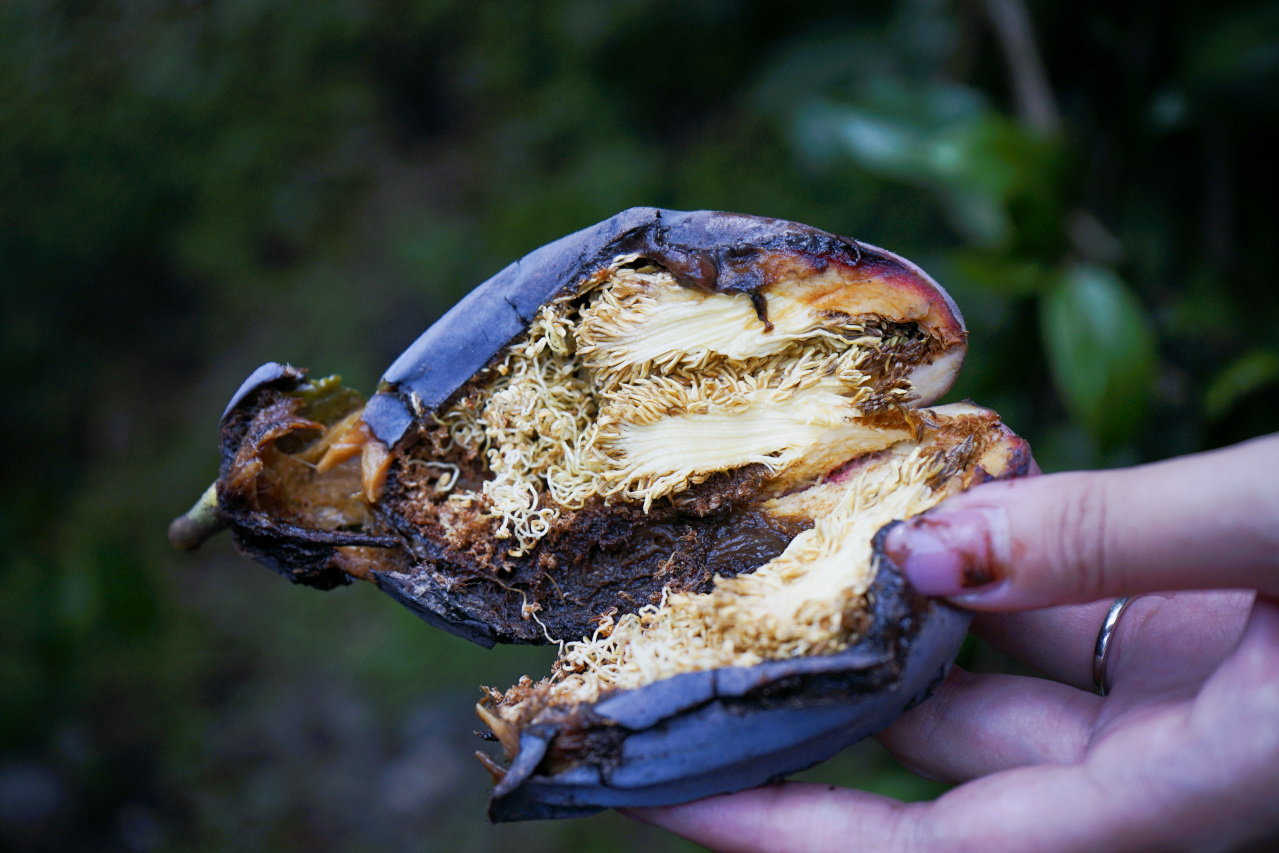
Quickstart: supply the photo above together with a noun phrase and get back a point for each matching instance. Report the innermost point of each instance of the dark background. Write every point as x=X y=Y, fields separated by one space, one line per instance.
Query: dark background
x=188 y=189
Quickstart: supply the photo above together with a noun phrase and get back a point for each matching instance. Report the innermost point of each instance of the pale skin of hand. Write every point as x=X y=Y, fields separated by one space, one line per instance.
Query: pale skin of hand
x=1183 y=754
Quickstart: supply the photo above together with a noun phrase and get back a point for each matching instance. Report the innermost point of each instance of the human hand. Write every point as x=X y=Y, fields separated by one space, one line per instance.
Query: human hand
x=1183 y=754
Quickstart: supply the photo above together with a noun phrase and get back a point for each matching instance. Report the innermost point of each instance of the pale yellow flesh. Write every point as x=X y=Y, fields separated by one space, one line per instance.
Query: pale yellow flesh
x=768 y=431
x=669 y=321
x=649 y=388
x=800 y=603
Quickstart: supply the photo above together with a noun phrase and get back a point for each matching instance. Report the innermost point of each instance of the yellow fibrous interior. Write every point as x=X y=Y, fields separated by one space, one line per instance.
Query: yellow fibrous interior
x=638 y=388
x=806 y=601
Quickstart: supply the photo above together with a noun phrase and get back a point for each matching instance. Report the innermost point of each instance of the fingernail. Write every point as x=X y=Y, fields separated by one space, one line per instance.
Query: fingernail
x=945 y=553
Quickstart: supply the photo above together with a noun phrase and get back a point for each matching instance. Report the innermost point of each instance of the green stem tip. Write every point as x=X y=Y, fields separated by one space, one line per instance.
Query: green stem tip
x=188 y=531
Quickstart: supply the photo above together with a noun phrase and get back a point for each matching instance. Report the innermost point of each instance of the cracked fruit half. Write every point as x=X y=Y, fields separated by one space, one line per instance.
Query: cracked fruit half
x=669 y=443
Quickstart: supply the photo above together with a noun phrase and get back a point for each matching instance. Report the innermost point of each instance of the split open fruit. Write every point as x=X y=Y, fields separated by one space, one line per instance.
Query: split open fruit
x=670 y=443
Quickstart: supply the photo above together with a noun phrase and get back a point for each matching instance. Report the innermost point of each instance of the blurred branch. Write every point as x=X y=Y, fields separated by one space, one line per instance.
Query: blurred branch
x=1036 y=106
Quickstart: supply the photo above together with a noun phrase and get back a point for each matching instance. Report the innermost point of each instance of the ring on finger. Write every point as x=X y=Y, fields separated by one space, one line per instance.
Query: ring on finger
x=1105 y=637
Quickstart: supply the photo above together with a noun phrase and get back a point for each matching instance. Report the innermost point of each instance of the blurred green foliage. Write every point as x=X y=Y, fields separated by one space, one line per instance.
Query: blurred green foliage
x=188 y=189
x=1100 y=349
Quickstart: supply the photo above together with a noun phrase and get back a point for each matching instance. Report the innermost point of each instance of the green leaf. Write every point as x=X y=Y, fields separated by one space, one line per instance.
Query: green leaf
x=1101 y=350
x=1250 y=372
x=897 y=130
x=940 y=136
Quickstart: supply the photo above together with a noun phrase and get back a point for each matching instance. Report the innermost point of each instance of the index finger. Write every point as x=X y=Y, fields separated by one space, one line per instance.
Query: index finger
x=1208 y=521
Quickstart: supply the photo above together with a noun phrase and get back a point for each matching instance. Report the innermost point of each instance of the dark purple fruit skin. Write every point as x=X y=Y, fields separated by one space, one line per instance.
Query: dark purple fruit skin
x=718 y=731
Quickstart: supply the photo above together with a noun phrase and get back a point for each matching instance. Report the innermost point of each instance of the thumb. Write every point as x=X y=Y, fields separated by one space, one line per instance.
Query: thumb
x=1208 y=521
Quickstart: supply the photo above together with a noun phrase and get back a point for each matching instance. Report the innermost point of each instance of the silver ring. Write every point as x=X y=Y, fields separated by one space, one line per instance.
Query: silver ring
x=1100 y=679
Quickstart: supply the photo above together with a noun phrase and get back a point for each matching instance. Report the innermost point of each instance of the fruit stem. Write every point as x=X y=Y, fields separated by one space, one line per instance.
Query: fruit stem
x=188 y=531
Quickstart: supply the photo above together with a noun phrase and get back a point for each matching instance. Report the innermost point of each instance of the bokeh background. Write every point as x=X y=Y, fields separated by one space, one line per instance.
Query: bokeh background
x=188 y=189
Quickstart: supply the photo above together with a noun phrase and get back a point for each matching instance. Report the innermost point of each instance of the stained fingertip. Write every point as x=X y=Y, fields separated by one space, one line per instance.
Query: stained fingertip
x=945 y=552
